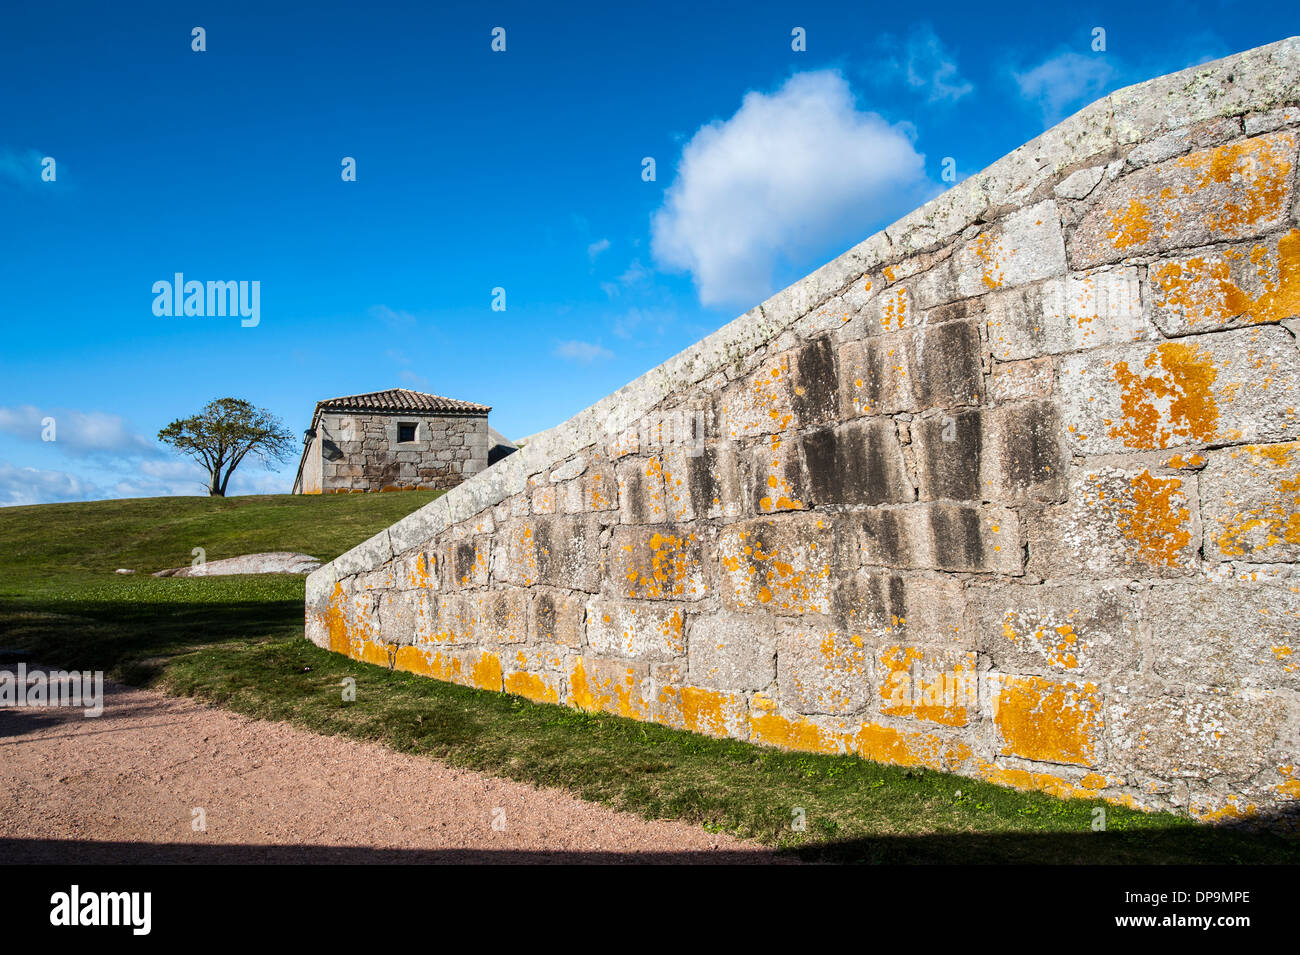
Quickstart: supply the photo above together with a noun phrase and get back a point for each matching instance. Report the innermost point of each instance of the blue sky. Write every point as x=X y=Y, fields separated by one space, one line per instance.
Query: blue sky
x=476 y=170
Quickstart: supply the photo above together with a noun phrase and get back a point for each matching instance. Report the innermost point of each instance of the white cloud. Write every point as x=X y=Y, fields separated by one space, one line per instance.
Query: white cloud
x=1065 y=82
x=634 y=275
x=584 y=353
x=596 y=248
x=77 y=432
x=408 y=377
x=928 y=67
x=393 y=318
x=22 y=168
x=788 y=175
x=34 y=486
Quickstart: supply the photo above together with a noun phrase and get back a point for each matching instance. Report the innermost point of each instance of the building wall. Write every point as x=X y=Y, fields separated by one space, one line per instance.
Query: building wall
x=309 y=481
x=1009 y=489
x=360 y=452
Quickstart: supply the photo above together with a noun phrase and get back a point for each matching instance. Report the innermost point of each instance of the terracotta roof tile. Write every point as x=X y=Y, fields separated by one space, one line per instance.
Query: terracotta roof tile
x=401 y=399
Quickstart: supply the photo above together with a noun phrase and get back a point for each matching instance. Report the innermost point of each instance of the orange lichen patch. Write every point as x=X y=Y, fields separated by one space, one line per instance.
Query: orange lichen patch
x=701 y=710
x=1258 y=171
x=1227 y=192
x=1203 y=289
x=1157 y=521
x=927 y=691
x=1173 y=402
x=1052 y=722
x=671 y=570
x=780 y=496
x=1091 y=786
x=772 y=729
x=1186 y=462
x=1131 y=225
x=893 y=309
x=380 y=654
x=417 y=572
x=538 y=687
x=1231 y=809
x=987 y=250
x=486 y=671
x=594 y=497
x=1059 y=644
x=796 y=582
x=426 y=662
x=884 y=744
x=610 y=688
x=1289 y=787
x=335 y=621
x=1274 y=520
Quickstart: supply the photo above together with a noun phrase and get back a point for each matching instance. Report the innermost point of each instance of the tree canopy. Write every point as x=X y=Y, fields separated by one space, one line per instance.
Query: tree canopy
x=223 y=433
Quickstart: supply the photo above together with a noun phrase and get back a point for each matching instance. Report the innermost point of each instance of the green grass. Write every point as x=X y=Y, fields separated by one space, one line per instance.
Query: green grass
x=237 y=641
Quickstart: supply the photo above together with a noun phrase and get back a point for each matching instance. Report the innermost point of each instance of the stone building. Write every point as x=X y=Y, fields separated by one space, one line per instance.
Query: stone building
x=394 y=440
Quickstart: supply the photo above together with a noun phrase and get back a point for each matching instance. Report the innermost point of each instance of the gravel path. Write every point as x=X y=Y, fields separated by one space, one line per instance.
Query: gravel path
x=123 y=788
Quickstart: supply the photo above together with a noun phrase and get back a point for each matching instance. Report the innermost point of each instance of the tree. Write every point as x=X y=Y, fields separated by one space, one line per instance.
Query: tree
x=224 y=432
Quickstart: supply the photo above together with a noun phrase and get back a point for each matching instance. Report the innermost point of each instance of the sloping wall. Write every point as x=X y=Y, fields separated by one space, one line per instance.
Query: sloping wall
x=1010 y=489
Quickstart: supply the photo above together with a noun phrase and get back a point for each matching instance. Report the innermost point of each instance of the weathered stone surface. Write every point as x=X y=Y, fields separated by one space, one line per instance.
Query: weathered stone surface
x=1193 y=732
x=1076 y=311
x=1024 y=247
x=500 y=616
x=936 y=536
x=1207 y=389
x=1011 y=453
x=1079 y=184
x=859 y=462
x=635 y=629
x=408 y=616
x=937 y=366
x=776 y=476
x=557 y=617
x=664 y=562
x=1049 y=721
x=1088 y=629
x=1019 y=380
x=1229 y=636
x=796 y=388
x=702 y=483
x=1231 y=287
x=1118 y=522
x=821 y=669
x=558 y=551
x=465 y=563
x=611 y=686
x=1251 y=503
x=733 y=651
x=780 y=565
x=455 y=619
x=1229 y=192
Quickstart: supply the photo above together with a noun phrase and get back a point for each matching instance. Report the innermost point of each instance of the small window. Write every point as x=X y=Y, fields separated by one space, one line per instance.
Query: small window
x=405 y=433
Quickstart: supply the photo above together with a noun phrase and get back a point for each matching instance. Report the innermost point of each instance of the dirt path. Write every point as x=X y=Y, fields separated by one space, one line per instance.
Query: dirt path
x=123 y=787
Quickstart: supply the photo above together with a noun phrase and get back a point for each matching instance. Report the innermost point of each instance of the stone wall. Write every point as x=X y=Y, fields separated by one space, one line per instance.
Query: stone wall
x=355 y=451
x=1010 y=489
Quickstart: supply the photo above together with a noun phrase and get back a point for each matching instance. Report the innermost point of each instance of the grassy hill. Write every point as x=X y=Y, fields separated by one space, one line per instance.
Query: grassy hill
x=149 y=534
x=61 y=600
x=237 y=641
